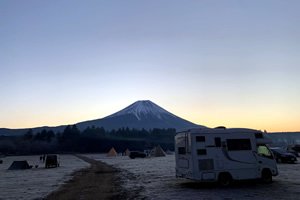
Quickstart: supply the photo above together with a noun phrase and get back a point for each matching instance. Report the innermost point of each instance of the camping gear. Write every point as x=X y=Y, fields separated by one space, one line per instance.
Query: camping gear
x=51 y=161
x=112 y=153
x=19 y=165
x=137 y=154
x=127 y=152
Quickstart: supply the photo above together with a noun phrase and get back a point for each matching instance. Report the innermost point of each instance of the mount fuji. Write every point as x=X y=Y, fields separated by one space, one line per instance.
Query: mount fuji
x=140 y=115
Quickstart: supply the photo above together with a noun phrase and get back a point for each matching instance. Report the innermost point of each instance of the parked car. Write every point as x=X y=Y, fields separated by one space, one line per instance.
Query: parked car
x=52 y=161
x=137 y=154
x=293 y=152
x=283 y=156
x=296 y=147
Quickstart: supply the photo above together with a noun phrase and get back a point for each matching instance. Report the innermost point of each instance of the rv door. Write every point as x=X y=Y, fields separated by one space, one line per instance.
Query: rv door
x=188 y=142
x=182 y=144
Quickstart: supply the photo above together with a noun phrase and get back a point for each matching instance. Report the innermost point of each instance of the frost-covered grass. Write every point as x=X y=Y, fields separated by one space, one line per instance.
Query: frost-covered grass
x=151 y=178
x=155 y=178
x=35 y=183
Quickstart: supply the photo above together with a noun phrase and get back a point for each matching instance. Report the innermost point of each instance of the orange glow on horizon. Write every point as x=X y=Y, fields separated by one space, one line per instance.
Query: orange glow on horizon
x=276 y=125
x=271 y=119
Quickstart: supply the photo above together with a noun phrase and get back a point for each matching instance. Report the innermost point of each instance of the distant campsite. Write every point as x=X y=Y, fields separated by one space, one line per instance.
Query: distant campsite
x=157 y=151
x=92 y=139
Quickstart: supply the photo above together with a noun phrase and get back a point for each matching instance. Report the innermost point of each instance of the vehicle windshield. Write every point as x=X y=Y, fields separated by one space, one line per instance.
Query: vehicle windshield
x=263 y=150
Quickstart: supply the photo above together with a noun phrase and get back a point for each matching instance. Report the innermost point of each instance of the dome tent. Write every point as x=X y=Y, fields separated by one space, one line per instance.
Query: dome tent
x=157 y=152
x=112 y=153
x=19 y=165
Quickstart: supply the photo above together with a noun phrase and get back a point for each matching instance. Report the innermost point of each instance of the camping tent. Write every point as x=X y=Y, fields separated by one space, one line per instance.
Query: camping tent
x=157 y=152
x=127 y=152
x=19 y=165
x=112 y=153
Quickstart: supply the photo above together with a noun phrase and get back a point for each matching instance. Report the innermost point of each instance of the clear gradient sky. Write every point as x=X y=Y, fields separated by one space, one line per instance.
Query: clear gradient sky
x=234 y=63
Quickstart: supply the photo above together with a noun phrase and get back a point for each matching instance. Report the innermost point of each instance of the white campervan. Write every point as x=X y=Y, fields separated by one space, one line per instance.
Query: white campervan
x=223 y=155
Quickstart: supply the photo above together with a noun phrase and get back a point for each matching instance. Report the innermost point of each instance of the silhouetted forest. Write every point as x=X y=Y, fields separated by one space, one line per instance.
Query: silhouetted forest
x=92 y=139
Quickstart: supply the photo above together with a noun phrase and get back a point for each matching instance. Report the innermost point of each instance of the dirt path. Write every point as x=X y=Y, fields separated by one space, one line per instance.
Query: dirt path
x=99 y=181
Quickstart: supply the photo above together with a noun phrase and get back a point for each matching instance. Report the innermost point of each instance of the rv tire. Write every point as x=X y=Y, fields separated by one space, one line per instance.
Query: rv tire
x=266 y=176
x=224 y=179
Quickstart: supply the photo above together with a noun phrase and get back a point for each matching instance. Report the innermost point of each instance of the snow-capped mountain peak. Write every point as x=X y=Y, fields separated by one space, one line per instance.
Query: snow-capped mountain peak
x=140 y=115
x=143 y=108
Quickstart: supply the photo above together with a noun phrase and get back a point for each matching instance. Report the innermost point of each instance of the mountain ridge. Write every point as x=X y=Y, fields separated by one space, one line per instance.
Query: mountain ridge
x=142 y=114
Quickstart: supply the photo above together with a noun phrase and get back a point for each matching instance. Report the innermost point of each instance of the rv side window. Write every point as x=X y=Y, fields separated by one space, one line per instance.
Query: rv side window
x=218 y=142
x=238 y=144
x=200 y=138
x=201 y=151
x=181 y=150
x=206 y=164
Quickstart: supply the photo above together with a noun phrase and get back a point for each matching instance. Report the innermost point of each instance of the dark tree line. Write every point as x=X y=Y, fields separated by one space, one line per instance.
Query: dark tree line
x=92 y=139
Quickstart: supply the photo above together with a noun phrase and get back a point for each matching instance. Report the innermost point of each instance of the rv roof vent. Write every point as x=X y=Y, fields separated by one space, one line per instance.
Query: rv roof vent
x=220 y=127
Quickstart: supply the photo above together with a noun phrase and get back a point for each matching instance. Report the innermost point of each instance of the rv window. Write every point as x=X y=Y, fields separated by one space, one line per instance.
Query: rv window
x=200 y=138
x=259 y=135
x=206 y=164
x=262 y=150
x=201 y=151
x=181 y=150
x=218 y=142
x=238 y=144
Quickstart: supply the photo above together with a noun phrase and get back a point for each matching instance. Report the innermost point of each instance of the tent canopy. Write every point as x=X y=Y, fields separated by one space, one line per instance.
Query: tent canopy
x=112 y=153
x=19 y=165
x=157 y=152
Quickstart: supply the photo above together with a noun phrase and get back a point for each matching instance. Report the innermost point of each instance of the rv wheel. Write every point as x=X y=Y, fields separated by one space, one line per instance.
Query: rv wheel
x=266 y=176
x=225 y=179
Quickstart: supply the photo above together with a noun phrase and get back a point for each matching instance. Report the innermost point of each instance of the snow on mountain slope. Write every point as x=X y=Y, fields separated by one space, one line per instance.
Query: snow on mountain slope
x=143 y=108
x=140 y=115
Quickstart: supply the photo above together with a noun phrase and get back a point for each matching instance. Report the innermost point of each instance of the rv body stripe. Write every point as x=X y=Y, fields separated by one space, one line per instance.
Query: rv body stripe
x=231 y=159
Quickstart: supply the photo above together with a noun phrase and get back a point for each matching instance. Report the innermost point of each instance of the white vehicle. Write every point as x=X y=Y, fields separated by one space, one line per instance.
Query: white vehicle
x=223 y=155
